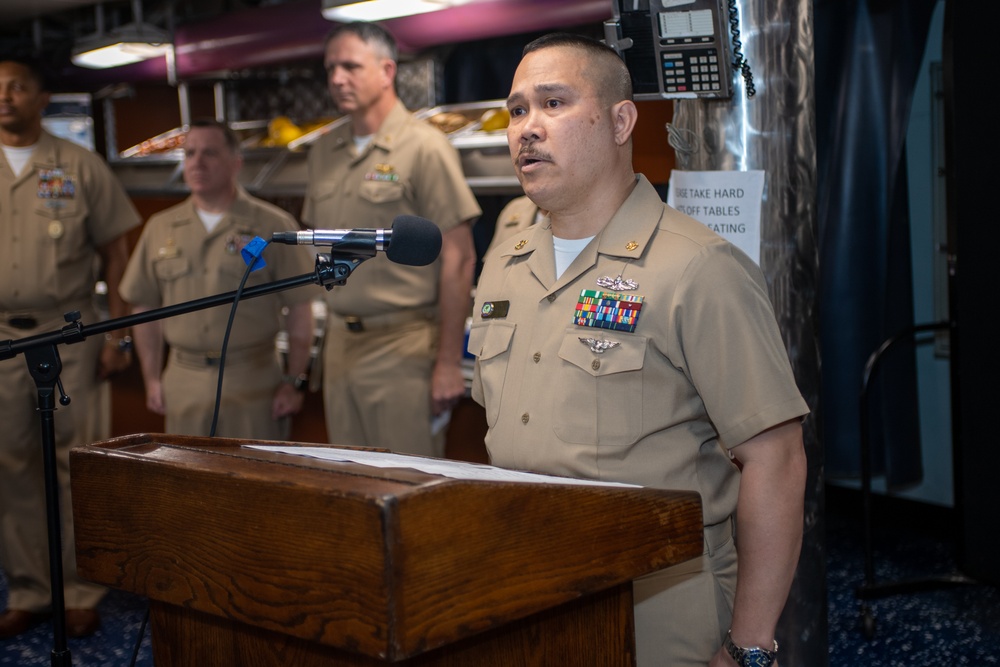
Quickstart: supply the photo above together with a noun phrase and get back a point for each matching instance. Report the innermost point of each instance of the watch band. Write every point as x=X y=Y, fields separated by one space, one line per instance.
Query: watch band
x=123 y=344
x=299 y=382
x=750 y=656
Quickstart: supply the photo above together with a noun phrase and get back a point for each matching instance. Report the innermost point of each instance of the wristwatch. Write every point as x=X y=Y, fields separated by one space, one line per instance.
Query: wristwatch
x=753 y=656
x=299 y=382
x=123 y=344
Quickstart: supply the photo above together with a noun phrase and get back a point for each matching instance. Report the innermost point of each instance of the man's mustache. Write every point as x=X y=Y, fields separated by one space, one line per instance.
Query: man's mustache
x=530 y=152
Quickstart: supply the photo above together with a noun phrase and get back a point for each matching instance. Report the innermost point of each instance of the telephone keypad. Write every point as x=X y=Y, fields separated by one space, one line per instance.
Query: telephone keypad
x=691 y=71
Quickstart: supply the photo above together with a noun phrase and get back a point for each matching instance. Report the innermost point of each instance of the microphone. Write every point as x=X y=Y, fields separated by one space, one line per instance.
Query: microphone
x=413 y=241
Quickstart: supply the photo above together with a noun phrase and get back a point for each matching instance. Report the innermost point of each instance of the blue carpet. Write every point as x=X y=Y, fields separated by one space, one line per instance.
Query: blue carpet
x=112 y=645
x=952 y=626
x=947 y=625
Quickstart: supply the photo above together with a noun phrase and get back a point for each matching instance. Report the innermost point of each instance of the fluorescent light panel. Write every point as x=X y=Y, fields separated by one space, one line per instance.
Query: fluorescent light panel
x=118 y=54
x=128 y=44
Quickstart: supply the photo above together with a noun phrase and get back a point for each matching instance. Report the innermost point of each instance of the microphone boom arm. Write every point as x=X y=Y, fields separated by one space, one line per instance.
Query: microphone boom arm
x=41 y=354
x=330 y=272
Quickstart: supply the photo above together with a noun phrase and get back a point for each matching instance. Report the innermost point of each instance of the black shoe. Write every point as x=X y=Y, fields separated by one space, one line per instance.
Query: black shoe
x=82 y=622
x=14 y=622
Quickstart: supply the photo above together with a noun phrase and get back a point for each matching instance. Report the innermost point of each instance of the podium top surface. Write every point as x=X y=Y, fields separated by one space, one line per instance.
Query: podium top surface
x=386 y=562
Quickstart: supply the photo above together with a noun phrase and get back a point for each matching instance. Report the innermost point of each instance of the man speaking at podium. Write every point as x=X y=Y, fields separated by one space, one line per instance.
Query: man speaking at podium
x=192 y=250
x=623 y=341
x=61 y=209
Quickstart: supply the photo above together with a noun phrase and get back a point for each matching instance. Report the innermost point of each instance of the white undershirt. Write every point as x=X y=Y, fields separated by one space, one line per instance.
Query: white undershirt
x=210 y=220
x=361 y=143
x=567 y=250
x=18 y=157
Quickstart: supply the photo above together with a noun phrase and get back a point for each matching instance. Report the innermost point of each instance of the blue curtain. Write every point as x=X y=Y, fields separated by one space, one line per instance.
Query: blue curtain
x=868 y=54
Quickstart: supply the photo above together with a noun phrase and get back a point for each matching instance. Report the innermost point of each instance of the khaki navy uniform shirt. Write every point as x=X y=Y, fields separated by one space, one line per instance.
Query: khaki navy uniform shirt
x=63 y=206
x=516 y=216
x=409 y=168
x=177 y=260
x=694 y=364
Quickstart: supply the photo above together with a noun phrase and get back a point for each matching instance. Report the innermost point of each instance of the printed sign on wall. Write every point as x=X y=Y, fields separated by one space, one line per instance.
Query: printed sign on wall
x=728 y=202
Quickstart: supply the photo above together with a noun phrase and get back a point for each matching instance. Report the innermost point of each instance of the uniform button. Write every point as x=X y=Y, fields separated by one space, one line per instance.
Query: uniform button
x=595 y=364
x=537 y=356
x=551 y=298
x=525 y=418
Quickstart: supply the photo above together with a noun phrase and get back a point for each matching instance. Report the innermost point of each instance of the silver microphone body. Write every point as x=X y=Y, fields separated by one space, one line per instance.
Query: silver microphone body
x=415 y=241
x=330 y=237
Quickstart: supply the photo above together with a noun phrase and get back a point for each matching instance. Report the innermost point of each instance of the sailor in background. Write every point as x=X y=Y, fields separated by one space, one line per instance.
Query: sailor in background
x=192 y=250
x=395 y=333
x=61 y=210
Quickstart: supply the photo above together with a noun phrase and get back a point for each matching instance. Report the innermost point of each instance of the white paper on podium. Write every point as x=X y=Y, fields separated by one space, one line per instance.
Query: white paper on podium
x=444 y=467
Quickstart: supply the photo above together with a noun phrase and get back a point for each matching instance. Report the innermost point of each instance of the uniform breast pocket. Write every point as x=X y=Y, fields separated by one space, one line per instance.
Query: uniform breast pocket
x=602 y=391
x=490 y=343
x=65 y=226
x=326 y=197
x=231 y=273
x=170 y=269
x=64 y=208
x=382 y=192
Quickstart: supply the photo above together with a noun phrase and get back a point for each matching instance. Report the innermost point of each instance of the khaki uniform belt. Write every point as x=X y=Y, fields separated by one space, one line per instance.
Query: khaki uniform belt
x=212 y=358
x=382 y=321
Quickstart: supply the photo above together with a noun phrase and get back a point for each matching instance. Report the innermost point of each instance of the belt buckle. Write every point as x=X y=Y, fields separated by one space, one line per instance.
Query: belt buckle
x=354 y=323
x=23 y=322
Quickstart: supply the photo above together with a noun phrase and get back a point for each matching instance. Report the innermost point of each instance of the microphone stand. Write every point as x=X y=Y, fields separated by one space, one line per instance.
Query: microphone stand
x=42 y=356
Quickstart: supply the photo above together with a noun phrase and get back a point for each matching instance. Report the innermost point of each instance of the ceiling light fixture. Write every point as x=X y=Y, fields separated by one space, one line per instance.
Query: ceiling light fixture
x=346 y=11
x=124 y=45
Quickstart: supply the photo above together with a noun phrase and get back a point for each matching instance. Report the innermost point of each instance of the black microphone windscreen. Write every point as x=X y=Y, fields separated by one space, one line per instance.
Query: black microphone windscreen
x=415 y=241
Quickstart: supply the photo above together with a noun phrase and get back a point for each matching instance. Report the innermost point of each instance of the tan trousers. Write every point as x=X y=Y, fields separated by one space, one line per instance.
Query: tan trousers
x=683 y=613
x=377 y=387
x=249 y=383
x=24 y=554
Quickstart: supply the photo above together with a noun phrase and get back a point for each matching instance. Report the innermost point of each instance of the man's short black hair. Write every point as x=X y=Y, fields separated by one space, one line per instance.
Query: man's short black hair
x=36 y=69
x=615 y=81
x=232 y=141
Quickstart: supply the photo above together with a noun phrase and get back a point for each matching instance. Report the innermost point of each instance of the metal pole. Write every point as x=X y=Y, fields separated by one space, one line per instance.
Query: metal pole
x=774 y=131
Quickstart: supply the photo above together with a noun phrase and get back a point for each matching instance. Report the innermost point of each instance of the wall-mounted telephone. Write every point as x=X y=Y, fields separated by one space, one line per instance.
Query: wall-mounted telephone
x=678 y=48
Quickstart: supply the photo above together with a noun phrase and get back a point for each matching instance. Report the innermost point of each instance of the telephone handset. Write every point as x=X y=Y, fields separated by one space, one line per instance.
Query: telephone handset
x=679 y=48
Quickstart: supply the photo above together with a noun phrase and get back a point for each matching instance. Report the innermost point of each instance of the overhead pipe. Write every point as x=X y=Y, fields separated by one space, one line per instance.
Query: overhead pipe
x=295 y=31
x=494 y=18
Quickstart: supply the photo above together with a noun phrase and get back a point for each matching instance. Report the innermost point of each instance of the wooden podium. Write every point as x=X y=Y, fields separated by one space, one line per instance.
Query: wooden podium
x=257 y=558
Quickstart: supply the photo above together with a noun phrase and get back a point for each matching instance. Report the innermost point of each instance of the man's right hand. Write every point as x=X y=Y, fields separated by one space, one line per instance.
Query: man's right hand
x=154 y=397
